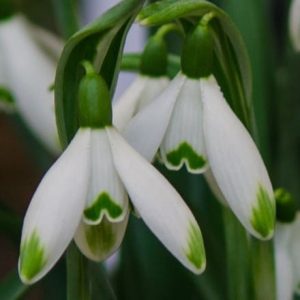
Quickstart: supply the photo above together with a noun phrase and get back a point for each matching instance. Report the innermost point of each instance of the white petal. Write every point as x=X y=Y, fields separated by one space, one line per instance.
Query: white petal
x=146 y=130
x=284 y=275
x=160 y=206
x=212 y=183
x=55 y=210
x=30 y=73
x=98 y=242
x=106 y=196
x=136 y=97
x=183 y=142
x=294 y=23
x=236 y=164
x=48 y=41
x=294 y=246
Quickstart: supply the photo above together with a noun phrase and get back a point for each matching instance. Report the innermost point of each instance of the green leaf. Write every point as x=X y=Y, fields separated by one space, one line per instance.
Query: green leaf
x=11 y=287
x=66 y=14
x=232 y=62
x=102 y=43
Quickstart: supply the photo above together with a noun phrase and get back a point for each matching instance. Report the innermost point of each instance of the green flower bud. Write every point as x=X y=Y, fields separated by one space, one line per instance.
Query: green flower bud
x=197 y=52
x=94 y=100
x=285 y=206
x=154 y=58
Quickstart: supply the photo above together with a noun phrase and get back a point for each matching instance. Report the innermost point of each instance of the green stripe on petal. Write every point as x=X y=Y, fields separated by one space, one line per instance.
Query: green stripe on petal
x=103 y=204
x=186 y=154
x=263 y=214
x=100 y=238
x=32 y=257
x=195 y=251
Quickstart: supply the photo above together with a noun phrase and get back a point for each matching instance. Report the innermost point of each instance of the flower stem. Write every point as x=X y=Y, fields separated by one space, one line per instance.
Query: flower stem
x=77 y=278
x=237 y=258
x=263 y=270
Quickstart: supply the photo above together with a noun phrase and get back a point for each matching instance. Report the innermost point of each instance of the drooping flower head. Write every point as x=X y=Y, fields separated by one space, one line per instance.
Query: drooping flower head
x=150 y=82
x=27 y=67
x=190 y=123
x=294 y=24
x=85 y=195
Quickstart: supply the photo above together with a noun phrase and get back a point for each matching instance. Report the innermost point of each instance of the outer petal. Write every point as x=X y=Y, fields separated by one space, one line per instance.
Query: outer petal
x=160 y=206
x=146 y=130
x=183 y=142
x=237 y=164
x=98 y=242
x=294 y=24
x=284 y=274
x=106 y=196
x=137 y=96
x=212 y=183
x=30 y=73
x=55 y=210
x=294 y=246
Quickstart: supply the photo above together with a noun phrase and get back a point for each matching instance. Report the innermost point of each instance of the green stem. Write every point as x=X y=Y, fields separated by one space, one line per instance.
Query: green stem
x=77 y=277
x=237 y=258
x=263 y=270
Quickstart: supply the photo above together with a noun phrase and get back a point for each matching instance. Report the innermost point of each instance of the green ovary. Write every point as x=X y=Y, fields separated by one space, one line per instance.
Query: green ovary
x=32 y=258
x=185 y=152
x=103 y=203
x=195 y=251
x=263 y=214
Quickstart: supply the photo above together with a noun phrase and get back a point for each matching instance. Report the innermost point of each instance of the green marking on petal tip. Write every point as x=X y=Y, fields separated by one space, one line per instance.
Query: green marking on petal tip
x=195 y=252
x=103 y=203
x=263 y=214
x=101 y=238
x=186 y=153
x=32 y=257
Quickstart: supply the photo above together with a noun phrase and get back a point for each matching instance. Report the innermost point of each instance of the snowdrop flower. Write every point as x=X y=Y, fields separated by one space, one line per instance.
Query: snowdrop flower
x=287 y=246
x=284 y=268
x=85 y=192
x=151 y=81
x=191 y=124
x=29 y=57
x=294 y=24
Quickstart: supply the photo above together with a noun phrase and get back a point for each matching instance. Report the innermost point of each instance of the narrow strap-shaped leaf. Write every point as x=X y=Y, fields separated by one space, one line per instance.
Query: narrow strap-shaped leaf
x=66 y=14
x=233 y=58
x=101 y=42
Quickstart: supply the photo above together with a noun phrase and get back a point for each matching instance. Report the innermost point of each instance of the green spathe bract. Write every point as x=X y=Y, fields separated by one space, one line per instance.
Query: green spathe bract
x=263 y=214
x=103 y=203
x=195 y=251
x=94 y=100
x=186 y=153
x=101 y=238
x=32 y=257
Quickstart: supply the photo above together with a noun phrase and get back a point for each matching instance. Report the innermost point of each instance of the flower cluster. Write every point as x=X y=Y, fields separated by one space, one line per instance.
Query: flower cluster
x=185 y=122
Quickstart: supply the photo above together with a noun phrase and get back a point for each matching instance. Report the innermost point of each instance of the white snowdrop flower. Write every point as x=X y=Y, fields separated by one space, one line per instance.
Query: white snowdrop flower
x=29 y=57
x=294 y=24
x=84 y=195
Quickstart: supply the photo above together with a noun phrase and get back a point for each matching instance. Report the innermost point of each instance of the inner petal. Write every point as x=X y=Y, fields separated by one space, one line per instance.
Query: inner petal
x=106 y=195
x=183 y=142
